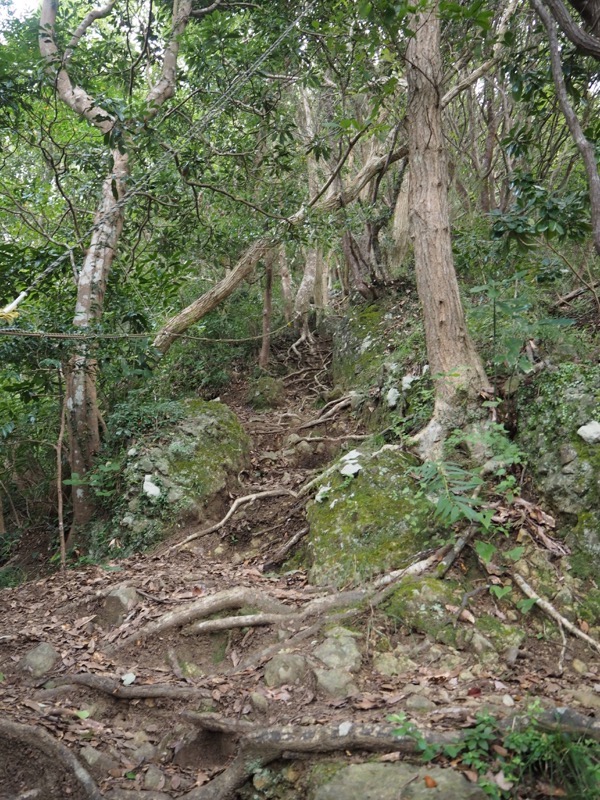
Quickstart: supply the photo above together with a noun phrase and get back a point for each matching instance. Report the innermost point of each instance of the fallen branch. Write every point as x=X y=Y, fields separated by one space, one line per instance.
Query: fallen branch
x=203 y=607
x=38 y=739
x=240 y=501
x=550 y=611
x=121 y=692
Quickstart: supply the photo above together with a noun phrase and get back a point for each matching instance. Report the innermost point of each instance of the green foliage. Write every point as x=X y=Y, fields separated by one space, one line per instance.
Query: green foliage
x=452 y=488
x=504 y=760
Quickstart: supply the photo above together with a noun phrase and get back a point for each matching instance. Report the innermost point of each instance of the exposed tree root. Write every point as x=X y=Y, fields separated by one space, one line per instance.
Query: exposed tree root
x=203 y=607
x=121 y=692
x=344 y=402
x=260 y=746
x=38 y=739
x=550 y=611
x=240 y=501
x=280 y=555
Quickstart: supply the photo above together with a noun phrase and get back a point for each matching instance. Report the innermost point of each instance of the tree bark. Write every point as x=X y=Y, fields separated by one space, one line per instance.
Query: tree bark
x=585 y=147
x=81 y=394
x=457 y=370
x=265 y=349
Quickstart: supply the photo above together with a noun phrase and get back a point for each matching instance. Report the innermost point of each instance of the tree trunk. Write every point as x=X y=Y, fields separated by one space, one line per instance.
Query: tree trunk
x=457 y=370
x=286 y=284
x=81 y=398
x=265 y=350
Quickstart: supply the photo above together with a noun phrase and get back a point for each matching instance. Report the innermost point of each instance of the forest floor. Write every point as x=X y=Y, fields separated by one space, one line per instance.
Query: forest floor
x=156 y=710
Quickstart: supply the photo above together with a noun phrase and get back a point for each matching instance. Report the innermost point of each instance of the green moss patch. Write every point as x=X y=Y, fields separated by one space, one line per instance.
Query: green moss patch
x=369 y=523
x=420 y=604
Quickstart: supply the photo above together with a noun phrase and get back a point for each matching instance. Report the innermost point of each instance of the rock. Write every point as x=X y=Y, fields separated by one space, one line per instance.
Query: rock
x=339 y=650
x=385 y=781
x=392 y=397
x=100 y=763
x=117 y=605
x=558 y=430
x=580 y=666
x=259 y=702
x=588 y=699
x=154 y=778
x=420 y=604
x=371 y=524
x=590 y=433
x=40 y=660
x=393 y=663
x=150 y=488
x=285 y=669
x=144 y=753
x=337 y=683
x=416 y=702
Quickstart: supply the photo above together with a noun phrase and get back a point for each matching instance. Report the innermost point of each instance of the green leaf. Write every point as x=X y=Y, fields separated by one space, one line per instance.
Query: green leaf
x=525 y=606
x=485 y=551
x=515 y=554
x=83 y=714
x=500 y=591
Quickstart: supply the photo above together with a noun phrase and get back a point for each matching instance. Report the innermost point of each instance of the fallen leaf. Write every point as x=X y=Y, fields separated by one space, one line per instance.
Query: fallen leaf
x=429 y=782
x=474 y=691
x=583 y=625
x=390 y=757
x=201 y=778
x=502 y=782
x=551 y=791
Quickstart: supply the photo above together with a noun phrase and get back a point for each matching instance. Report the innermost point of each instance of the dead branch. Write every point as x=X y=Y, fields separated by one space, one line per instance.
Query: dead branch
x=203 y=607
x=240 y=501
x=565 y=299
x=38 y=739
x=116 y=689
x=550 y=611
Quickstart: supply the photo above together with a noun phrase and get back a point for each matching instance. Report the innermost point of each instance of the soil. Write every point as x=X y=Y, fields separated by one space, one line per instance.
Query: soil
x=151 y=742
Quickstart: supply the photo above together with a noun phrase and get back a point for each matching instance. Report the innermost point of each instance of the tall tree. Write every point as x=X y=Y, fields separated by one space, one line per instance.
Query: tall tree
x=81 y=394
x=457 y=369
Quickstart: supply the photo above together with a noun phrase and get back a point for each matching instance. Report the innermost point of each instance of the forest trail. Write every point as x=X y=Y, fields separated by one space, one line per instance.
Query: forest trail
x=155 y=691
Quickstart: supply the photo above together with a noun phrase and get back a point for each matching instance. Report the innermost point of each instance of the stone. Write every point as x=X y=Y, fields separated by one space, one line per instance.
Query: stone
x=150 y=488
x=385 y=782
x=40 y=660
x=338 y=683
x=117 y=605
x=392 y=397
x=587 y=698
x=416 y=702
x=154 y=778
x=259 y=702
x=339 y=650
x=285 y=669
x=580 y=666
x=100 y=763
x=144 y=753
x=590 y=433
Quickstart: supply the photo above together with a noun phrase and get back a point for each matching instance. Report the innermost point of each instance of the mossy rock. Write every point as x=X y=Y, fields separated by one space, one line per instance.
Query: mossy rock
x=565 y=468
x=502 y=636
x=265 y=392
x=419 y=603
x=370 y=523
x=376 y=347
x=168 y=480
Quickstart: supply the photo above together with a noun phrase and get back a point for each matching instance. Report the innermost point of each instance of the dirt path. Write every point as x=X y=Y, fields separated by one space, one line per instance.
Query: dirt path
x=126 y=690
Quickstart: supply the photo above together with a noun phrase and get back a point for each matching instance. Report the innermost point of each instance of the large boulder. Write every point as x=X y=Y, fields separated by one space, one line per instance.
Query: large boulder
x=556 y=416
x=368 y=517
x=179 y=473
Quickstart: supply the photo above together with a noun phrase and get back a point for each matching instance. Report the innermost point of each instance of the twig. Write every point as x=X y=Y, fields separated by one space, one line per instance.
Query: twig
x=549 y=609
x=249 y=498
x=345 y=402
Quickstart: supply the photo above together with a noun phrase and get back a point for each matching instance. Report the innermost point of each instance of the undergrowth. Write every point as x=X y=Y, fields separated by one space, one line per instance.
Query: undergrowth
x=507 y=763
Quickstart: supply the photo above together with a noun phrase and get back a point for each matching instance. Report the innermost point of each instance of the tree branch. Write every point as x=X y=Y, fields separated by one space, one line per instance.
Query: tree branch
x=583 y=41
x=88 y=20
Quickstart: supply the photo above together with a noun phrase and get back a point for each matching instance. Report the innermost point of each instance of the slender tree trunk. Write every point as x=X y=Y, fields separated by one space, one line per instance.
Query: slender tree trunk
x=457 y=370
x=286 y=285
x=81 y=397
x=265 y=350
x=2 y=523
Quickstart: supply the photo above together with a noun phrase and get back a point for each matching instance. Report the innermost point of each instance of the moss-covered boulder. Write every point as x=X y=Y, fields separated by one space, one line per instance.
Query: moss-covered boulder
x=179 y=473
x=368 y=517
x=379 y=353
x=419 y=603
x=565 y=467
